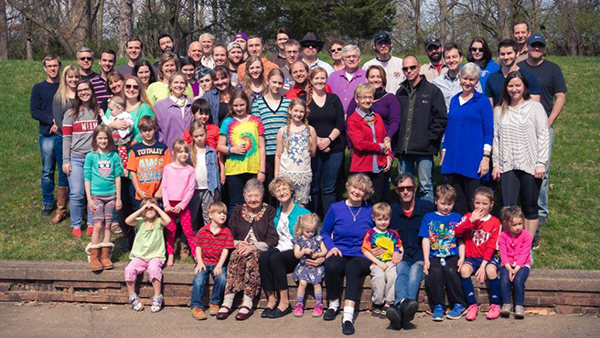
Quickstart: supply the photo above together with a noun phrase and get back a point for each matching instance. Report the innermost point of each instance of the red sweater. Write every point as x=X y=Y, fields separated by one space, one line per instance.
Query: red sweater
x=481 y=237
x=361 y=135
x=212 y=136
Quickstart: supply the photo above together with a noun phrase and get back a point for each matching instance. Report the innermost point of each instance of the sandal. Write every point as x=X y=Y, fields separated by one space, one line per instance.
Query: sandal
x=223 y=315
x=115 y=228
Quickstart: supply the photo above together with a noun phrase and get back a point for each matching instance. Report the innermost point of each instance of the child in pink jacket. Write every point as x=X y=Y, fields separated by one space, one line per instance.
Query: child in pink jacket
x=515 y=252
x=179 y=181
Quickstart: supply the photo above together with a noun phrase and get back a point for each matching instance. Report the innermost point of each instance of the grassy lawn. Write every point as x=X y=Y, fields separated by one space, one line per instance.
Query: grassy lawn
x=569 y=241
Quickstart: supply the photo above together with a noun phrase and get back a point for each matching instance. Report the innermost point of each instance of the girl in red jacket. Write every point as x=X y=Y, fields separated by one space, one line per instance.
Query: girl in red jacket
x=371 y=146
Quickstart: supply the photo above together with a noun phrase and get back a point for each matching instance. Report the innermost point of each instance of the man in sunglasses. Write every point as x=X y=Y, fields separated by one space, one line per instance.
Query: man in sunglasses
x=407 y=215
x=553 y=95
x=311 y=46
x=391 y=64
x=85 y=60
x=422 y=125
x=436 y=66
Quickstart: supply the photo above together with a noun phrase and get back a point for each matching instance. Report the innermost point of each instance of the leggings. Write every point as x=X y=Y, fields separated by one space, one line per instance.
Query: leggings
x=517 y=183
x=465 y=188
x=186 y=225
x=353 y=268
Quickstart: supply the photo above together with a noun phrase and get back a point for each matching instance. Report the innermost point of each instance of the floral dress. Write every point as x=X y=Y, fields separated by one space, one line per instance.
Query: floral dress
x=302 y=272
x=295 y=163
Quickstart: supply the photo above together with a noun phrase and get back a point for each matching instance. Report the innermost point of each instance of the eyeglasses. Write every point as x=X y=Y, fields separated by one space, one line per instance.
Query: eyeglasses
x=132 y=86
x=335 y=50
x=84 y=90
x=473 y=49
x=402 y=189
x=351 y=57
x=409 y=69
x=86 y=58
x=366 y=97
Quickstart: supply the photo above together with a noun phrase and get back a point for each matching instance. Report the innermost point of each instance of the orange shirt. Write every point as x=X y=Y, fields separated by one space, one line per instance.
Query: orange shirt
x=148 y=163
x=267 y=65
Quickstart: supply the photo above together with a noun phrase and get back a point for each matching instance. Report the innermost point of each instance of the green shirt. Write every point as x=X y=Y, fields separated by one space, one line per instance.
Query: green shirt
x=102 y=170
x=150 y=243
x=159 y=91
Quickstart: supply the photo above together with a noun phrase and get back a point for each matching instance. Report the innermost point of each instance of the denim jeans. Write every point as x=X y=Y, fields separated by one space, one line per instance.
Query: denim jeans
x=406 y=164
x=51 y=151
x=408 y=280
x=217 y=291
x=77 y=192
x=543 y=208
x=518 y=284
x=325 y=169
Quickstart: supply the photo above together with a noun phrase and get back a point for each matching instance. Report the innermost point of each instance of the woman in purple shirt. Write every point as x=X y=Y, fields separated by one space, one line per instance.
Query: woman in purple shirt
x=173 y=113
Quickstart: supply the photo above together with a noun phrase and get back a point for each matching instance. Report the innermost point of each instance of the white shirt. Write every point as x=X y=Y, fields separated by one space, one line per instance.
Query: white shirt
x=393 y=72
x=285 y=237
x=201 y=173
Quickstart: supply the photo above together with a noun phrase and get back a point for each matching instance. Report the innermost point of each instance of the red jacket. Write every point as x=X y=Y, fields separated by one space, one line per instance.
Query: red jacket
x=481 y=237
x=360 y=134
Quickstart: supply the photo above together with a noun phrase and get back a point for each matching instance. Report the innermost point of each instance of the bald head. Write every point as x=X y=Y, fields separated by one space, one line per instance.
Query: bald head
x=195 y=51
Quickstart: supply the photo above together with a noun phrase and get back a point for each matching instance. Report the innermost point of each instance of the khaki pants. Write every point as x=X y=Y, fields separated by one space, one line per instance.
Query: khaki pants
x=382 y=283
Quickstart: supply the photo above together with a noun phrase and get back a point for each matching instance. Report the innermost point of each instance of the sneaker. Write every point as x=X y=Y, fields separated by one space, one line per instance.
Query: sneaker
x=213 y=309
x=89 y=230
x=438 y=313
x=457 y=312
x=536 y=241
x=493 y=312
x=348 y=328
x=197 y=313
x=318 y=310
x=383 y=314
x=376 y=310
x=543 y=221
x=472 y=312
x=47 y=209
x=394 y=315
x=506 y=310
x=77 y=232
x=519 y=312
x=299 y=310
x=157 y=303
x=135 y=303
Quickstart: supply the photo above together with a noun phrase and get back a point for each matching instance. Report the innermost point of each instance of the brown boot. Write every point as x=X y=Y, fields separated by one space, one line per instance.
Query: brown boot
x=106 y=250
x=93 y=252
x=61 y=205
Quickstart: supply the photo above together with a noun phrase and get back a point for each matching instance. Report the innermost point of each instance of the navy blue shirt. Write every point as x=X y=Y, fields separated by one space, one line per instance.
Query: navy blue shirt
x=495 y=82
x=408 y=228
x=40 y=105
x=551 y=81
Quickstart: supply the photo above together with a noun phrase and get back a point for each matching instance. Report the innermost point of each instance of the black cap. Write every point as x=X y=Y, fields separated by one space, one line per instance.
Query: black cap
x=311 y=38
x=382 y=36
x=432 y=42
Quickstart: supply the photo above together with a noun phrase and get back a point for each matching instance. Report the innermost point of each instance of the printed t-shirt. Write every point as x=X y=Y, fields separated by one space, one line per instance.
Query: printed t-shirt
x=239 y=133
x=148 y=162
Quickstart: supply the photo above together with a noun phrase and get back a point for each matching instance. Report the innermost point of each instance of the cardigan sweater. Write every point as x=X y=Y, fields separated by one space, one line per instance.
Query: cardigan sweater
x=515 y=250
x=296 y=212
x=361 y=136
x=263 y=228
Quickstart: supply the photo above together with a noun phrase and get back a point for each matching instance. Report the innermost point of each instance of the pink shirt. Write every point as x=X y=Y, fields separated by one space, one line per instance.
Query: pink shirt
x=178 y=184
x=515 y=250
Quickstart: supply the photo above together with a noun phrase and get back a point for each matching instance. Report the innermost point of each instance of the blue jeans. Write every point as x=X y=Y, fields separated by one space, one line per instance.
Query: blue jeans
x=406 y=164
x=51 y=151
x=77 y=192
x=543 y=199
x=325 y=168
x=408 y=280
x=518 y=283
x=217 y=291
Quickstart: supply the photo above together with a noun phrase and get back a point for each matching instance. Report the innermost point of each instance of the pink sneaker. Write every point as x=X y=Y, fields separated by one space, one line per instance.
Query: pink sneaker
x=299 y=310
x=318 y=310
x=472 y=312
x=493 y=312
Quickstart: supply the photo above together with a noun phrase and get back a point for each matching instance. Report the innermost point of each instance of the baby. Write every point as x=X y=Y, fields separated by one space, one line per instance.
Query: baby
x=116 y=105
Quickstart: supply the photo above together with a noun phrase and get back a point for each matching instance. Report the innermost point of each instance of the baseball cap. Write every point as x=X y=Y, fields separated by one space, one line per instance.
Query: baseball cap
x=233 y=45
x=536 y=37
x=432 y=42
x=382 y=36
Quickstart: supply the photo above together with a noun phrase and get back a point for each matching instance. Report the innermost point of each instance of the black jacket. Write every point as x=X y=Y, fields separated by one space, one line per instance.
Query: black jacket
x=429 y=119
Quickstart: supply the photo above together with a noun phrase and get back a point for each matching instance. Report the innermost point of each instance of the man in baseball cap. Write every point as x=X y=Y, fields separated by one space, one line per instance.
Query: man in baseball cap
x=392 y=65
x=436 y=66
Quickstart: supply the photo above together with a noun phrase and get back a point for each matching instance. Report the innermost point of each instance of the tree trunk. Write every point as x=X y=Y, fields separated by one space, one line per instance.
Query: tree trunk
x=28 y=39
x=191 y=9
x=573 y=32
x=80 y=22
x=416 y=5
x=443 y=20
x=502 y=20
x=99 y=23
x=3 y=31
x=125 y=25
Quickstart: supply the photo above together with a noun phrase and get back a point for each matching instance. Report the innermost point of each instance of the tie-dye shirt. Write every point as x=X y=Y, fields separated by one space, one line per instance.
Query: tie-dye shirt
x=439 y=230
x=389 y=241
x=239 y=133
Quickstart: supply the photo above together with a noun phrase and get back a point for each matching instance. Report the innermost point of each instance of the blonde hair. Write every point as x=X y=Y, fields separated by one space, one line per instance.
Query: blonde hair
x=279 y=181
x=306 y=221
x=63 y=87
x=247 y=79
x=179 y=145
x=217 y=207
x=296 y=102
x=195 y=126
x=364 y=88
x=362 y=182
x=381 y=209
x=445 y=192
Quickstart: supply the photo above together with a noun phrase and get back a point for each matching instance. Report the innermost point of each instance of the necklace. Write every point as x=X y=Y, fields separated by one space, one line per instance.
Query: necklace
x=354 y=215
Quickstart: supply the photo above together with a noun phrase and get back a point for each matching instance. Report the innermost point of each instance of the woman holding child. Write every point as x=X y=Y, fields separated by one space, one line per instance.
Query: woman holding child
x=253 y=233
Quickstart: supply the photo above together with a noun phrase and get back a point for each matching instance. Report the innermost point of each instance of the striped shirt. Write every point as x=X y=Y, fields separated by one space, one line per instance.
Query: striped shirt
x=99 y=87
x=521 y=139
x=212 y=245
x=77 y=134
x=272 y=120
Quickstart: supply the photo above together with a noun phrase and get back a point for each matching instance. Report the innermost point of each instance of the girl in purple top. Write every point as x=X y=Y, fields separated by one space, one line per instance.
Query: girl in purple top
x=173 y=114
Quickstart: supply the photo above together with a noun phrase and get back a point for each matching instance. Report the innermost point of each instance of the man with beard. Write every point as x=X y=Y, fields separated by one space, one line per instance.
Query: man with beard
x=235 y=53
x=165 y=44
x=220 y=55
x=507 y=53
x=299 y=74
x=133 y=47
x=311 y=46
x=449 y=83
x=107 y=63
x=344 y=81
x=435 y=67
x=282 y=36
x=391 y=64
x=521 y=33
x=208 y=42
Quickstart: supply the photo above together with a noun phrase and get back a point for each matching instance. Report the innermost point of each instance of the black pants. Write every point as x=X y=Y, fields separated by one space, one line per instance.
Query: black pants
x=274 y=266
x=127 y=194
x=353 y=268
x=465 y=188
x=517 y=183
x=269 y=176
x=444 y=281
x=236 y=188
x=381 y=182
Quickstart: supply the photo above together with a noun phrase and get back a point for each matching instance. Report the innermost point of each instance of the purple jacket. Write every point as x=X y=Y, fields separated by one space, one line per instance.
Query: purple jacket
x=171 y=123
x=343 y=88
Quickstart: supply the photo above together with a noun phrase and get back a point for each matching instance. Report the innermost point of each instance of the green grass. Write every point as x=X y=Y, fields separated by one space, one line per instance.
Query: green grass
x=569 y=241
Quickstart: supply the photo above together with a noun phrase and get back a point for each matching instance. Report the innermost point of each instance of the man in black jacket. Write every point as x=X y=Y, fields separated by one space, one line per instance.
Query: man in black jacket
x=422 y=125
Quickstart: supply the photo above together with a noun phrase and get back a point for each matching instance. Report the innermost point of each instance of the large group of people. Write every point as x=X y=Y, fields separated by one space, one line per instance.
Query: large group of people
x=246 y=155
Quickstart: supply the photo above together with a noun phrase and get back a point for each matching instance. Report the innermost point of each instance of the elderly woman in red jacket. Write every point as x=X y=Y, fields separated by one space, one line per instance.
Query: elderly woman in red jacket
x=372 y=153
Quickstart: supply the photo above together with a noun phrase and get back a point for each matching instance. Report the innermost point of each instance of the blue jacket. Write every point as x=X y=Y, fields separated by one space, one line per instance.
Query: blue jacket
x=469 y=127
x=297 y=211
x=212 y=168
x=212 y=96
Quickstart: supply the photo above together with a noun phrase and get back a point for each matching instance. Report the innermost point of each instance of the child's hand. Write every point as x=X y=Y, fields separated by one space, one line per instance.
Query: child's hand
x=168 y=208
x=426 y=265
x=199 y=267
x=396 y=258
x=307 y=251
x=91 y=205
x=377 y=252
x=476 y=215
x=460 y=263
x=218 y=270
x=176 y=210
x=382 y=265
x=512 y=275
x=118 y=204
x=480 y=274
x=158 y=194
x=125 y=173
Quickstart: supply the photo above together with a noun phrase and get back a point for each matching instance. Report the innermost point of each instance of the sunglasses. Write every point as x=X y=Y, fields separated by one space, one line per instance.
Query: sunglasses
x=310 y=45
x=335 y=50
x=473 y=49
x=132 y=86
x=538 y=45
x=409 y=69
x=86 y=58
x=402 y=189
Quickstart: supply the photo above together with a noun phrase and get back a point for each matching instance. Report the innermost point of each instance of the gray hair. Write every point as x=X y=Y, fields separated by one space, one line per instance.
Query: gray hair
x=470 y=70
x=212 y=37
x=253 y=184
x=350 y=48
x=84 y=50
x=403 y=177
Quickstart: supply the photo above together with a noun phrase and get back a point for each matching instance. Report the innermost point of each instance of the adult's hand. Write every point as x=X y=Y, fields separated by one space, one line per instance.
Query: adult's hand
x=53 y=129
x=334 y=252
x=119 y=124
x=540 y=171
x=66 y=168
x=313 y=263
x=496 y=174
x=484 y=166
